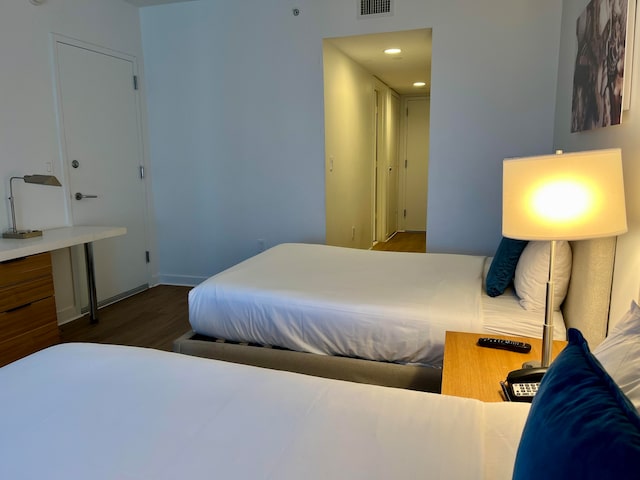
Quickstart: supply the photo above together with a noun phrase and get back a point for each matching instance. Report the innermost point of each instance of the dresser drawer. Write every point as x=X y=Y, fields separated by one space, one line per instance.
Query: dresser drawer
x=29 y=342
x=31 y=316
x=24 y=269
x=24 y=293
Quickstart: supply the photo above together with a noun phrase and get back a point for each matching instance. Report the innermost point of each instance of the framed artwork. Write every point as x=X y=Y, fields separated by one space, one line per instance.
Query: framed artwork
x=605 y=50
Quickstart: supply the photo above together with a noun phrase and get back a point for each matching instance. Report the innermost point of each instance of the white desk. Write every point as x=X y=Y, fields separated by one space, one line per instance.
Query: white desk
x=64 y=237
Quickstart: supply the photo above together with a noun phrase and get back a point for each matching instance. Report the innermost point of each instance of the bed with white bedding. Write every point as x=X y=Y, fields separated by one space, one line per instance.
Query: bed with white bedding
x=334 y=301
x=384 y=306
x=91 y=411
x=80 y=411
x=370 y=305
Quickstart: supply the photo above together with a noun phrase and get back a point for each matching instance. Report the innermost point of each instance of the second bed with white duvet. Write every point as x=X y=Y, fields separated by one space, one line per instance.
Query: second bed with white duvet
x=383 y=306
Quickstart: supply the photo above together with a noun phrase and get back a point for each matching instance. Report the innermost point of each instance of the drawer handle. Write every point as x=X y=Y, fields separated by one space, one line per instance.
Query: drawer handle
x=18 y=308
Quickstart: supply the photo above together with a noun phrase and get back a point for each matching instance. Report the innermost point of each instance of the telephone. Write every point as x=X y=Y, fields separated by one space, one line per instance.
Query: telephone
x=522 y=385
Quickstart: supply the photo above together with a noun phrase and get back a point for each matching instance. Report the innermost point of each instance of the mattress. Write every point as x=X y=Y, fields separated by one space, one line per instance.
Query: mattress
x=78 y=411
x=383 y=306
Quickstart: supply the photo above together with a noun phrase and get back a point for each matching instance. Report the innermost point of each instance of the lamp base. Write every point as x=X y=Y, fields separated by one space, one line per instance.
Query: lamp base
x=22 y=234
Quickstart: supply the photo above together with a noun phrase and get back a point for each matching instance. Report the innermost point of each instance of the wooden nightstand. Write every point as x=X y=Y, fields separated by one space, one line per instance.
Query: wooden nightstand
x=476 y=372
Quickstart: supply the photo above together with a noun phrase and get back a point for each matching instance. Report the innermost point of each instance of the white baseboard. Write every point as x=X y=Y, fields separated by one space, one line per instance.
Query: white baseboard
x=180 y=280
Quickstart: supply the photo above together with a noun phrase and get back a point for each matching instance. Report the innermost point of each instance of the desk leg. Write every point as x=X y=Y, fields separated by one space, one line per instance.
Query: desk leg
x=91 y=283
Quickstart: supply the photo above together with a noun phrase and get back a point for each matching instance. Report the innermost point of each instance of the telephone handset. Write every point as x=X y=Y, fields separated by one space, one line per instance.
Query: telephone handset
x=522 y=385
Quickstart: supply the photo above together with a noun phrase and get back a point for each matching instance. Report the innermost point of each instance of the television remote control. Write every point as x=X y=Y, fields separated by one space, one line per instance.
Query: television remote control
x=510 y=345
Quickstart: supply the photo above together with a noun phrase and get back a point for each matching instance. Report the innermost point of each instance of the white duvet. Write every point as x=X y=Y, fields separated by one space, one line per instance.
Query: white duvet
x=387 y=306
x=88 y=411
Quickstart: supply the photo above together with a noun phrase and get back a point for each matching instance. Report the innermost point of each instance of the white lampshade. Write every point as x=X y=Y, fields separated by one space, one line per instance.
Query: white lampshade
x=566 y=196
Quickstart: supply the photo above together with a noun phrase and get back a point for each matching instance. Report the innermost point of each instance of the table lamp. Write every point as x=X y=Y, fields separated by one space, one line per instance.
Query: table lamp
x=13 y=232
x=566 y=196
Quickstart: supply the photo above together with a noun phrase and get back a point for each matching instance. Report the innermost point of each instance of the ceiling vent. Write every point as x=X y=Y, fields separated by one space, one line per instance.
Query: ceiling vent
x=374 y=8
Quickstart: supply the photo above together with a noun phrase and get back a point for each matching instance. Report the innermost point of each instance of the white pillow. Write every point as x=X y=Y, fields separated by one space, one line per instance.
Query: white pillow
x=619 y=354
x=532 y=274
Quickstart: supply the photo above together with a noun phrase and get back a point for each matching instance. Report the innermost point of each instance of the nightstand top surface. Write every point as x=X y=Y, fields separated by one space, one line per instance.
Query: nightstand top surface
x=476 y=372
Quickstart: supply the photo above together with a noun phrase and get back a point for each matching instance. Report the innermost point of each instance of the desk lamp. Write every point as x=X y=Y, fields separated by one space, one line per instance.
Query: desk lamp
x=566 y=196
x=13 y=232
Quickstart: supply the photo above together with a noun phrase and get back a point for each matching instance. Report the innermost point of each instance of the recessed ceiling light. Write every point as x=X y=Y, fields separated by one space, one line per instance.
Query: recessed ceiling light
x=419 y=84
x=392 y=51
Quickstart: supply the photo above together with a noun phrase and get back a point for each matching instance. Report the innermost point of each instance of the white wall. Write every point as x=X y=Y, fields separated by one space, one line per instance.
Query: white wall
x=28 y=128
x=349 y=133
x=236 y=118
x=28 y=132
x=627 y=267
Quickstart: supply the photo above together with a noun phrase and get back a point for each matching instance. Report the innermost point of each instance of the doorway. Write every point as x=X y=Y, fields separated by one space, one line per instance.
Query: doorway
x=363 y=94
x=101 y=143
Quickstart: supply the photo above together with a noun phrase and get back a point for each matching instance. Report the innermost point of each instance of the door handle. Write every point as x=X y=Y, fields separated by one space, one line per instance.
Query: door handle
x=80 y=196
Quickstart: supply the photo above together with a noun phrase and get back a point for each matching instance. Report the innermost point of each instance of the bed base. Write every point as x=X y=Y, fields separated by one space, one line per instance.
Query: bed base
x=412 y=377
x=585 y=308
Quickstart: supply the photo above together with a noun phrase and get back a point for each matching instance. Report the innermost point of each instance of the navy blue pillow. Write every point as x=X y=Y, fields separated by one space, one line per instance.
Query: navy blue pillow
x=503 y=266
x=580 y=424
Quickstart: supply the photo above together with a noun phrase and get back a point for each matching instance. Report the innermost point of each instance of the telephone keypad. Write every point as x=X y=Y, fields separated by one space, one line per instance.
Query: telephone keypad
x=525 y=389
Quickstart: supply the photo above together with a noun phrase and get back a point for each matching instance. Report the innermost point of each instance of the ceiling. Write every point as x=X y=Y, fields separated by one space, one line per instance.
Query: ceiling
x=397 y=71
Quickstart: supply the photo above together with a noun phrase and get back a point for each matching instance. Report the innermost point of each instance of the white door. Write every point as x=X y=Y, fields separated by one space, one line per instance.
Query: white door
x=417 y=164
x=392 y=165
x=103 y=158
x=375 y=200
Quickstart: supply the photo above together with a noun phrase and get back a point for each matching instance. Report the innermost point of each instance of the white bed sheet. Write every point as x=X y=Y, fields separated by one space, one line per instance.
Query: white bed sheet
x=388 y=306
x=79 y=411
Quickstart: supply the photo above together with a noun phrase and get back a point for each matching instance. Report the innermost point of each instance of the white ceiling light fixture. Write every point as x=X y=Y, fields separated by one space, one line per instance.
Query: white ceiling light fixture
x=419 y=84
x=392 y=51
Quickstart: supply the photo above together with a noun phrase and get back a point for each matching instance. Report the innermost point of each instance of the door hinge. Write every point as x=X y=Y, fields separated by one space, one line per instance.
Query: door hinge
x=406 y=162
x=407 y=112
x=405 y=213
x=135 y=82
x=147 y=256
x=142 y=172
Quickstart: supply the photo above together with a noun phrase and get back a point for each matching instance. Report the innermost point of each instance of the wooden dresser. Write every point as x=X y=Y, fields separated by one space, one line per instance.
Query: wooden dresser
x=28 y=321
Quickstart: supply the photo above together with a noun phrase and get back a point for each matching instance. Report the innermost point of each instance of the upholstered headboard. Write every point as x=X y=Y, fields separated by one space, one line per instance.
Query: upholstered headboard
x=586 y=306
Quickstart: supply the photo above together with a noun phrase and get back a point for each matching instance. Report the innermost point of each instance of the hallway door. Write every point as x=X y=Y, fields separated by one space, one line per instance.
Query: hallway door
x=416 y=164
x=392 y=165
x=101 y=138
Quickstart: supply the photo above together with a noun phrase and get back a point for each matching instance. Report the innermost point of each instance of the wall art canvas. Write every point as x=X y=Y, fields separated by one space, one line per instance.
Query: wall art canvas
x=598 y=78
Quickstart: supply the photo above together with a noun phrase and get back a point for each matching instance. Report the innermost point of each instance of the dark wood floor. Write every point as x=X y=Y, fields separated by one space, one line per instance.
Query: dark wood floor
x=156 y=317
x=404 y=242
x=153 y=318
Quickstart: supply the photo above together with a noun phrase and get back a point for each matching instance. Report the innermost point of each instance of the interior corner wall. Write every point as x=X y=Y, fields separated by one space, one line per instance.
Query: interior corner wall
x=349 y=152
x=236 y=118
x=626 y=283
